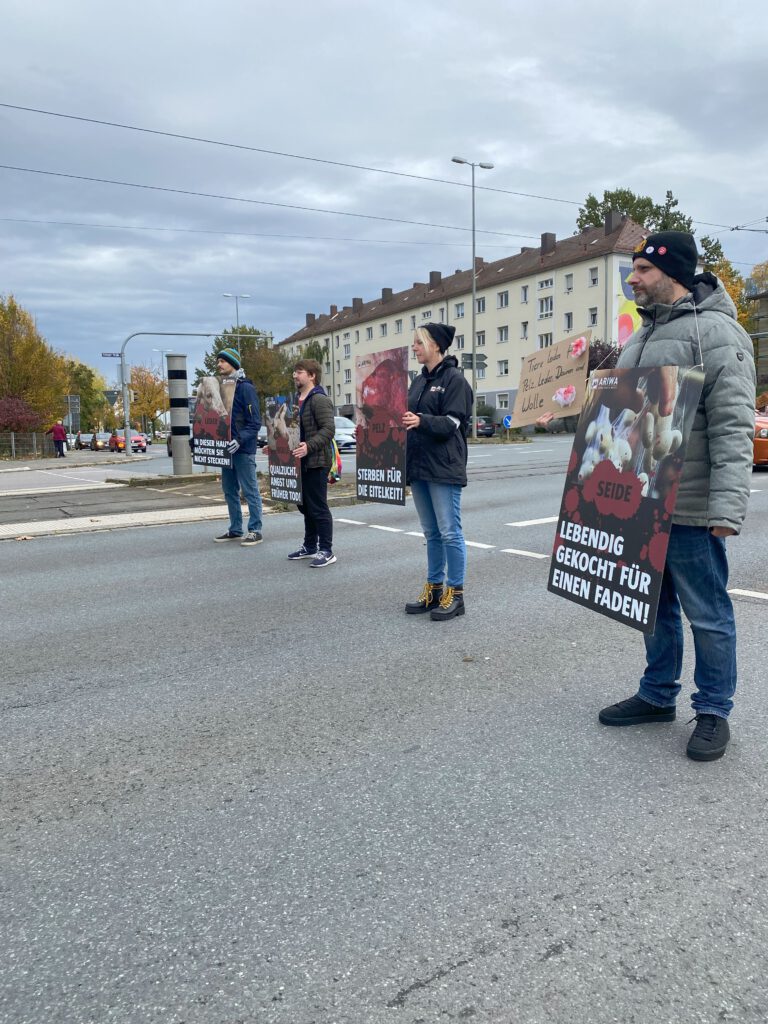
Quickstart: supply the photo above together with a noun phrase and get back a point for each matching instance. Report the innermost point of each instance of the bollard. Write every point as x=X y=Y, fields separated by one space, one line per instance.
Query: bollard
x=178 y=395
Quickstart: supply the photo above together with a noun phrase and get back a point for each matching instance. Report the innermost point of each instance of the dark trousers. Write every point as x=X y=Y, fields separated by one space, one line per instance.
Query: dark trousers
x=59 y=449
x=318 y=523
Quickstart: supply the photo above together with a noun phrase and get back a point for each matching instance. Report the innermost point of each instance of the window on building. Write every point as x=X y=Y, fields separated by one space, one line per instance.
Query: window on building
x=593 y=277
x=524 y=293
x=568 y=322
x=545 y=282
x=502 y=401
x=347 y=351
x=479 y=373
x=459 y=340
x=502 y=300
x=337 y=341
x=382 y=330
x=398 y=326
x=481 y=304
x=346 y=336
x=593 y=316
x=368 y=333
x=480 y=339
x=568 y=284
x=503 y=333
x=426 y=315
x=441 y=314
x=347 y=376
x=458 y=311
x=348 y=398
x=413 y=322
x=546 y=307
x=524 y=329
x=357 y=336
x=545 y=340
x=481 y=399
x=338 y=366
x=502 y=368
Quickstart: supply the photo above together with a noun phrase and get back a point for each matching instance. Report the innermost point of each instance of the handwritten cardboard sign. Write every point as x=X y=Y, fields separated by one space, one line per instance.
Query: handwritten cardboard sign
x=553 y=380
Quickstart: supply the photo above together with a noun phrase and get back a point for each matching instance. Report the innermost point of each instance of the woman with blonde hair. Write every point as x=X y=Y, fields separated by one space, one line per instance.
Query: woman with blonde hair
x=437 y=421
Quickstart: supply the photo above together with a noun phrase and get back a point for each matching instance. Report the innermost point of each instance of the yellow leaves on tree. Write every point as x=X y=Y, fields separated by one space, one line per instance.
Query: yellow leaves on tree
x=151 y=394
x=29 y=368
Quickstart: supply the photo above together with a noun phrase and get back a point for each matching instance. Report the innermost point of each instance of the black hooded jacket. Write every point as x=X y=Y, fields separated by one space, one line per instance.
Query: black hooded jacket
x=436 y=450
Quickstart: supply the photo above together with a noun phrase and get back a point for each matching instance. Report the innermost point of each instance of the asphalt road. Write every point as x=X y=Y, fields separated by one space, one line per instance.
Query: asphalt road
x=236 y=789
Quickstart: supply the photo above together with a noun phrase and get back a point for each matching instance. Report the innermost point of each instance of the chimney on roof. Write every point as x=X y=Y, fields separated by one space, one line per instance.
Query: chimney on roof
x=434 y=278
x=334 y=310
x=613 y=221
x=479 y=263
x=386 y=294
x=548 y=242
x=419 y=284
x=310 y=319
x=357 y=305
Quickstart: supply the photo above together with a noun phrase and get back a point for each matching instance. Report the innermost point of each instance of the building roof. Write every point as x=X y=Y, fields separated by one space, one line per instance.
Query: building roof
x=550 y=255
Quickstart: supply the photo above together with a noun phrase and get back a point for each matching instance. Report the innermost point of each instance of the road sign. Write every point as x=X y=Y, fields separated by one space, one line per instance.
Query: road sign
x=507 y=421
x=111 y=396
x=110 y=355
x=480 y=359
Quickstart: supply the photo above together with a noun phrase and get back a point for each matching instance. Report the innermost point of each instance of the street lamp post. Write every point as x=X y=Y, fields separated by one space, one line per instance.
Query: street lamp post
x=485 y=167
x=229 y=295
x=163 y=352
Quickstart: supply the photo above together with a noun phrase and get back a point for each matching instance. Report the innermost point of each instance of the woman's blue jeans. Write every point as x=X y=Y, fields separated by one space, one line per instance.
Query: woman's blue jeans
x=695 y=577
x=242 y=477
x=439 y=509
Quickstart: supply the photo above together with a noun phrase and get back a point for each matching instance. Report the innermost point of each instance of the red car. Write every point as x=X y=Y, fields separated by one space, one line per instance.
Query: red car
x=117 y=441
x=760 y=457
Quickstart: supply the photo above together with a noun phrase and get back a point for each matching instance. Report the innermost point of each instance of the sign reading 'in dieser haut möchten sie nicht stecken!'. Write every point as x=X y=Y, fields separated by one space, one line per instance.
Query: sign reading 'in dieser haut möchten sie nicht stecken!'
x=553 y=380
x=620 y=491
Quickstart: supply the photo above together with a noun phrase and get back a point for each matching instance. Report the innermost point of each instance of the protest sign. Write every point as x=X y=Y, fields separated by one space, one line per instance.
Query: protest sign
x=620 y=491
x=381 y=383
x=283 y=436
x=553 y=380
x=210 y=425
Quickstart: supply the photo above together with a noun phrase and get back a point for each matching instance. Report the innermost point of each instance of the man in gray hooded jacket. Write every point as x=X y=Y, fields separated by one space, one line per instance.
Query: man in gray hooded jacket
x=689 y=319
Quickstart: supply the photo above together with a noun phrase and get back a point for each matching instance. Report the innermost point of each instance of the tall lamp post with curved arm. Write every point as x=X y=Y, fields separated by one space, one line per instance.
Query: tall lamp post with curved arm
x=485 y=167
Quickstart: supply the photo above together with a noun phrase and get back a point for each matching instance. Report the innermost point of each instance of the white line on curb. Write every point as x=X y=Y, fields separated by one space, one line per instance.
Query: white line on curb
x=94 y=524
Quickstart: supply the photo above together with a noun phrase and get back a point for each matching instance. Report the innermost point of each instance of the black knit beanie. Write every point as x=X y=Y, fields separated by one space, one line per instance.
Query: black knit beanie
x=674 y=252
x=441 y=334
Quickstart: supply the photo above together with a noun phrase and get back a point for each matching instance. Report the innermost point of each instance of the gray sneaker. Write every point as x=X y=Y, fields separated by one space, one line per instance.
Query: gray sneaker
x=251 y=538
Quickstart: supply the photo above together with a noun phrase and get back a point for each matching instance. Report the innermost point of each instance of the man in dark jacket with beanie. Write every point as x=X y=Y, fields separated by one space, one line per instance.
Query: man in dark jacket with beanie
x=689 y=319
x=245 y=422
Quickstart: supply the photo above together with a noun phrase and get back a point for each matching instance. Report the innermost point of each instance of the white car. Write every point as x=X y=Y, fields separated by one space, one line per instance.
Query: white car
x=346 y=436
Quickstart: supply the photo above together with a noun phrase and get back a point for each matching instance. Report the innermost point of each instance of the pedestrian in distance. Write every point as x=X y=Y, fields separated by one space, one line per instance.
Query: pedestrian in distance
x=317 y=429
x=59 y=432
x=689 y=319
x=437 y=422
x=244 y=432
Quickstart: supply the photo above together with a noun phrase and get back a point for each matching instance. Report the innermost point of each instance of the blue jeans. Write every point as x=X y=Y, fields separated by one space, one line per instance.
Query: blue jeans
x=242 y=477
x=695 y=577
x=439 y=509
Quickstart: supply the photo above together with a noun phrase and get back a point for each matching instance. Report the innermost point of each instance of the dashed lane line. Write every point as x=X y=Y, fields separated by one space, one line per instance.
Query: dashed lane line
x=57 y=489
x=749 y=593
x=526 y=554
x=386 y=529
x=534 y=522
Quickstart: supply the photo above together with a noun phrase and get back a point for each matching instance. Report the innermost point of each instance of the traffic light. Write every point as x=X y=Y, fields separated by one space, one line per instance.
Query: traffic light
x=131 y=396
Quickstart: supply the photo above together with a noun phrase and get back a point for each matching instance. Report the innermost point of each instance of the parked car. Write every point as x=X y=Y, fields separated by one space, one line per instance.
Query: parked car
x=99 y=442
x=760 y=457
x=346 y=434
x=117 y=441
x=147 y=438
x=82 y=441
x=485 y=427
x=71 y=438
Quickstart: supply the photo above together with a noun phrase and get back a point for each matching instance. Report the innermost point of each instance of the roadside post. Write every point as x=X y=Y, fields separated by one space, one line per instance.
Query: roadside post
x=178 y=399
x=507 y=422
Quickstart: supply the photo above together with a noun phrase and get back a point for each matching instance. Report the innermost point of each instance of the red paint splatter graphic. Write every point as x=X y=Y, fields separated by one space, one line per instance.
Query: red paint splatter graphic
x=612 y=492
x=657 y=551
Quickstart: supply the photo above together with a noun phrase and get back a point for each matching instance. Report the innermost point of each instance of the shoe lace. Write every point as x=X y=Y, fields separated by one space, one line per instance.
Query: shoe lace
x=447 y=599
x=706 y=726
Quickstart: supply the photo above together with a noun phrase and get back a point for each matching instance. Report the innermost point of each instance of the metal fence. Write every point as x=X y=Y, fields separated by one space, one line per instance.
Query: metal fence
x=17 y=444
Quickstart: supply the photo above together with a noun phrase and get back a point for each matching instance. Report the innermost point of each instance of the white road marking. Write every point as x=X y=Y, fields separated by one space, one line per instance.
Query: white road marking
x=56 y=489
x=414 y=533
x=534 y=522
x=16 y=469
x=527 y=554
x=93 y=524
x=477 y=544
x=749 y=593
x=387 y=529
x=352 y=522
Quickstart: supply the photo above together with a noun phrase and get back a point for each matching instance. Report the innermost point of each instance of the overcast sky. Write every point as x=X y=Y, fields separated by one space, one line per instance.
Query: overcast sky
x=563 y=98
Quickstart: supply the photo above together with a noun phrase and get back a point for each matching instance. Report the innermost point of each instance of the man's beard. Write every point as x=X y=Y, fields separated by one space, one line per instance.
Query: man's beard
x=662 y=293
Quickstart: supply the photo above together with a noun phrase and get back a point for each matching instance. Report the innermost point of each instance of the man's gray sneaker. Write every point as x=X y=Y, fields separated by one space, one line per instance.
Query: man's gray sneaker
x=709 y=739
x=635 y=711
x=251 y=538
x=227 y=536
x=321 y=559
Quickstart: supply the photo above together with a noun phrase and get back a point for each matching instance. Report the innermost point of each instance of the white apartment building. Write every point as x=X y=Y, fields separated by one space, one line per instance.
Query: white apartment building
x=526 y=301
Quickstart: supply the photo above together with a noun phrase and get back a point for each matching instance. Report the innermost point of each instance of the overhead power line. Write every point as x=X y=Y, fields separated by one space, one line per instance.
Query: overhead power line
x=256 y=202
x=288 y=156
x=236 y=234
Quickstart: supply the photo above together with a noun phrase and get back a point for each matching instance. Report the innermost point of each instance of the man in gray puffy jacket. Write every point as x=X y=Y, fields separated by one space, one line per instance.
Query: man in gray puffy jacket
x=689 y=319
